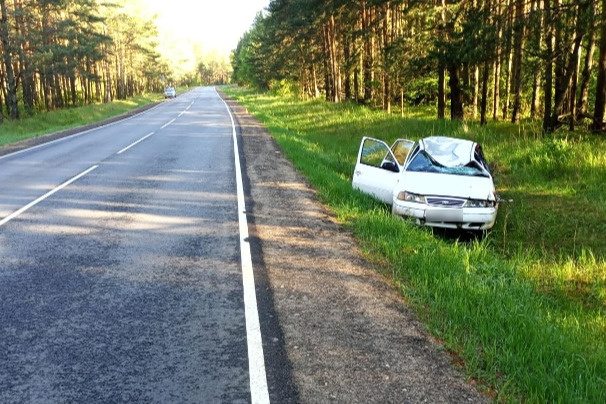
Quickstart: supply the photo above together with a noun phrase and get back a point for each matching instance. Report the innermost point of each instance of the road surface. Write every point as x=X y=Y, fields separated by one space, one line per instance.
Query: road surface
x=120 y=267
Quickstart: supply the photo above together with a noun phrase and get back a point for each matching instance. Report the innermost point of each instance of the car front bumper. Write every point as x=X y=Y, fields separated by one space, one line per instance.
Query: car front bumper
x=447 y=217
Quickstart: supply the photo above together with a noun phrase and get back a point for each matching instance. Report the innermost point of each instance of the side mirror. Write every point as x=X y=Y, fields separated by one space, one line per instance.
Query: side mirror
x=390 y=166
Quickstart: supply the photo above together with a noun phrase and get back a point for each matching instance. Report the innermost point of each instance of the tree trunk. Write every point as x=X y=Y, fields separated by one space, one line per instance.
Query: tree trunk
x=328 y=89
x=314 y=79
x=547 y=125
x=13 y=108
x=485 y=74
x=559 y=57
x=356 y=78
x=476 y=90
x=441 y=92
x=456 y=94
x=564 y=82
x=368 y=52
x=72 y=87
x=586 y=73
x=600 y=97
x=336 y=67
x=538 y=31
x=441 y=67
x=508 y=63
x=347 y=57
x=107 y=95
x=386 y=69
x=27 y=81
x=573 y=88
x=496 y=101
x=560 y=82
x=517 y=65
x=484 y=99
x=97 y=75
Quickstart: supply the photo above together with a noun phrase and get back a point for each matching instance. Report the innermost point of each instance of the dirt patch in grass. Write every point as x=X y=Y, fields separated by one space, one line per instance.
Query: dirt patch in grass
x=349 y=337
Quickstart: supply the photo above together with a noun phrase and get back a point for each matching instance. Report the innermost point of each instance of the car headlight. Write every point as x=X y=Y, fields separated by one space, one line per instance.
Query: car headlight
x=410 y=197
x=478 y=203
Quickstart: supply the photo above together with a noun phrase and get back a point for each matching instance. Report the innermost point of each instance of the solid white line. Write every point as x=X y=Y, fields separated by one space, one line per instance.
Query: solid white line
x=46 y=195
x=77 y=134
x=168 y=123
x=256 y=363
x=136 y=142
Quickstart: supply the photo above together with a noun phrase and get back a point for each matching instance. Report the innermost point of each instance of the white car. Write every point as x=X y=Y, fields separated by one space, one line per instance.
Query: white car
x=169 y=92
x=438 y=181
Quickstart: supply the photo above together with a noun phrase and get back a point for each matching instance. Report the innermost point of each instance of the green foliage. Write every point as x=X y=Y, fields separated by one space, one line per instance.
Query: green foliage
x=374 y=51
x=284 y=88
x=423 y=90
x=249 y=60
x=68 y=53
x=523 y=309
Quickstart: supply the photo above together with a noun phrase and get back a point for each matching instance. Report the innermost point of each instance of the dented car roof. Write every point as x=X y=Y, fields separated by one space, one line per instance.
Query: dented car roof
x=448 y=151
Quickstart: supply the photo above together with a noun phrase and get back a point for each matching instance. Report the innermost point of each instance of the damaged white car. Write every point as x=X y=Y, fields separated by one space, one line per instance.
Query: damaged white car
x=438 y=181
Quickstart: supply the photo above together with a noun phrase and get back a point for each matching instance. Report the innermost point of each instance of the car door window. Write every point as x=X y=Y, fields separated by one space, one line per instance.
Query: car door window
x=400 y=149
x=375 y=153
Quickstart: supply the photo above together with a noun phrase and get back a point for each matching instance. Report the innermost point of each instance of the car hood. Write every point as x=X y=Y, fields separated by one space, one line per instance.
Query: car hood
x=462 y=186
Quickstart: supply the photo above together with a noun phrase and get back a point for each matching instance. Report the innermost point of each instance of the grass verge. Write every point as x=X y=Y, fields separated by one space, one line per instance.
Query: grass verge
x=522 y=311
x=54 y=121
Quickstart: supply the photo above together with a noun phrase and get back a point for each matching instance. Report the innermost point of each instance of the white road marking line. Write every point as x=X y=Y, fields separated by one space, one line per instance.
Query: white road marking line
x=256 y=363
x=168 y=123
x=46 y=195
x=134 y=143
x=189 y=106
x=77 y=134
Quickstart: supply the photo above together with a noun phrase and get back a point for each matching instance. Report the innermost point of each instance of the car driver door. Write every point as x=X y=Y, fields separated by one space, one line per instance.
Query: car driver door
x=377 y=170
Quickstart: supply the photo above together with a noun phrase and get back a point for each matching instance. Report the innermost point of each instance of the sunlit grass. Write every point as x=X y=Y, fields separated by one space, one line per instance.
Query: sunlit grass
x=524 y=309
x=54 y=121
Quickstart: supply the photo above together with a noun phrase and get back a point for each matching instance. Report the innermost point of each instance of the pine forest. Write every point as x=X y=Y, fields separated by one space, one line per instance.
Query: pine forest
x=65 y=53
x=472 y=59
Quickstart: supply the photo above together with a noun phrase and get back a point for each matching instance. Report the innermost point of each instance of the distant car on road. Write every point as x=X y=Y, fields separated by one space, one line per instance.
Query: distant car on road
x=438 y=181
x=169 y=92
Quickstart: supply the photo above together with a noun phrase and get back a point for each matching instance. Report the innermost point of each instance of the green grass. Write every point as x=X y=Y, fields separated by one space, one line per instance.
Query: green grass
x=522 y=310
x=54 y=121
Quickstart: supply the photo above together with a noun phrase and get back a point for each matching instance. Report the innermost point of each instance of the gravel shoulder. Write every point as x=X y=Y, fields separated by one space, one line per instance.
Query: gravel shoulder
x=348 y=335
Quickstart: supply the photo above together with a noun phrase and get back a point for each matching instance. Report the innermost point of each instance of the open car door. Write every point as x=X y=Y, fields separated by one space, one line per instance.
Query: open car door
x=401 y=150
x=377 y=170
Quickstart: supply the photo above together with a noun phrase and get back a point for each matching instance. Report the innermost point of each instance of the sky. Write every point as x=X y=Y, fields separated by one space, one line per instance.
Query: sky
x=215 y=24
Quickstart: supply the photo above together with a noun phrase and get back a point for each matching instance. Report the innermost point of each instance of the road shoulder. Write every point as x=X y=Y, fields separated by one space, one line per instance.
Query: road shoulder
x=347 y=333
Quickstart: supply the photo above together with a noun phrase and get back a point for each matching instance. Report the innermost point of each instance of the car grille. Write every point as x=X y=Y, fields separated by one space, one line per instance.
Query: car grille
x=445 y=202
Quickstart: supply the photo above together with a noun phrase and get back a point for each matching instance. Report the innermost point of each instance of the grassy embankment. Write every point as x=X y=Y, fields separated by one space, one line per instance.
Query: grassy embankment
x=523 y=311
x=54 y=121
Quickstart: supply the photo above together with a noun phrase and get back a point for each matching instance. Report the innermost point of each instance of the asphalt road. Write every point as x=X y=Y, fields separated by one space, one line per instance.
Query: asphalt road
x=120 y=271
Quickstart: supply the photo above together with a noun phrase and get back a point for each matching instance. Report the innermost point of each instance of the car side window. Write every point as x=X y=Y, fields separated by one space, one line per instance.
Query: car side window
x=375 y=153
x=401 y=149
